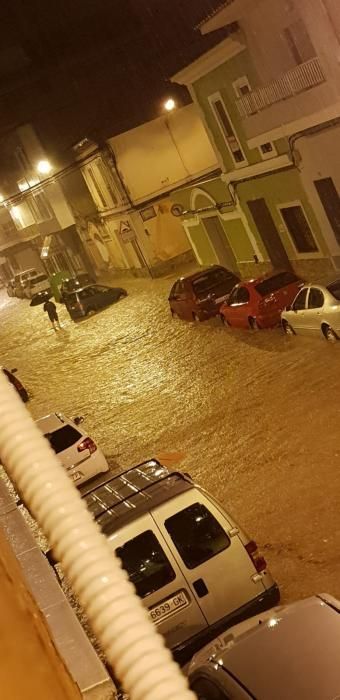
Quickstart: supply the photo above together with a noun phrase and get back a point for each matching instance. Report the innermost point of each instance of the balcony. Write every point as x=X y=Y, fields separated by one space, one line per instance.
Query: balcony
x=304 y=77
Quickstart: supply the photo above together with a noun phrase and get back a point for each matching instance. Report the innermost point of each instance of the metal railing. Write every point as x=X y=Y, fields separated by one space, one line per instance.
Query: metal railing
x=303 y=77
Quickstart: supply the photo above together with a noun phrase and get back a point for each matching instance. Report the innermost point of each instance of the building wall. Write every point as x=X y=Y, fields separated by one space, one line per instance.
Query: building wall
x=163 y=153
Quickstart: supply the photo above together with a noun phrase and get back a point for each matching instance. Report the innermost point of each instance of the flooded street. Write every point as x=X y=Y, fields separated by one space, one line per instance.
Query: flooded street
x=256 y=414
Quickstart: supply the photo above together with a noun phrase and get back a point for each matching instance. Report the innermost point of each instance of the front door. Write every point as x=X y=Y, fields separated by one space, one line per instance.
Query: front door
x=331 y=203
x=269 y=233
x=210 y=554
x=220 y=243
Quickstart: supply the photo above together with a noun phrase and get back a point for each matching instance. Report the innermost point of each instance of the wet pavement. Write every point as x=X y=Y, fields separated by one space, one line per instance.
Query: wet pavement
x=256 y=414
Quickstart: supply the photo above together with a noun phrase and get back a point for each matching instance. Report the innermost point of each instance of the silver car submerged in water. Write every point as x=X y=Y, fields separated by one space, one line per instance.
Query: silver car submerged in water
x=314 y=311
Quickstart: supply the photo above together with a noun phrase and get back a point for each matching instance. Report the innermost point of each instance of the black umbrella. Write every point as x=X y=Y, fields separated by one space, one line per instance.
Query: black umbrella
x=40 y=298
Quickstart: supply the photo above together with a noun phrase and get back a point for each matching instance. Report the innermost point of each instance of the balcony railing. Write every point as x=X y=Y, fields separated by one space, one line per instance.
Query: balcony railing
x=303 y=77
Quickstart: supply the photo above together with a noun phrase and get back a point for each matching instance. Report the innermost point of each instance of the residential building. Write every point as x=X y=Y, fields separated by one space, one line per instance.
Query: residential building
x=131 y=179
x=37 y=226
x=269 y=96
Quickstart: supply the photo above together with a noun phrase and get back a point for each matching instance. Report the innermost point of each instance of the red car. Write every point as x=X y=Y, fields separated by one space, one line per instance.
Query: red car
x=199 y=296
x=258 y=303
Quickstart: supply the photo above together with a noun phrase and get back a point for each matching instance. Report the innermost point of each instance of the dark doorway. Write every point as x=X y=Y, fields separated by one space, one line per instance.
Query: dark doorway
x=331 y=203
x=220 y=243
x=269 y=233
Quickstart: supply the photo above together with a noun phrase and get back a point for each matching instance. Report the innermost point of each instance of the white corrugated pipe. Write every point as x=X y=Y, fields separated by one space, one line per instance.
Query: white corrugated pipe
x=120 y=622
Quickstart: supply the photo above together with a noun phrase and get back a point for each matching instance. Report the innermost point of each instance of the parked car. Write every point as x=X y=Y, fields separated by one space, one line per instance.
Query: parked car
x=10 y=288
x=10 y=374
x=39 y=283
x=289 y=653
x=20 y=281
x=78 y=453
x=83 y=279
x=88 y=300
x=194 y=567
x=314 y=311
x=258 y=303
x=199 y=296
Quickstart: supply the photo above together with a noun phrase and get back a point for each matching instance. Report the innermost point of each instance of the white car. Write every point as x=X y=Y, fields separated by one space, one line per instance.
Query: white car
x=39 y=283
x=78 y=453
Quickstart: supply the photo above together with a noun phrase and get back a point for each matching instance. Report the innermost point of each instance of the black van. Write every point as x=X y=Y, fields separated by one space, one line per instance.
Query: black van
x=87 y=300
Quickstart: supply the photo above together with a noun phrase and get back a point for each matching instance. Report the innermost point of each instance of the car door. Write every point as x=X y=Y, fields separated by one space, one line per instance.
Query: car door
x=313 y=311
x=296 y=315
x=181 y=298
x=159 y=581
x=210 y=554
x=237 y=311
x=174 y=298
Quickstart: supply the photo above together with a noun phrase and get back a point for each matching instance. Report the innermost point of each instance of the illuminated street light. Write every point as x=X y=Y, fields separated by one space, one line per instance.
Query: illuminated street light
x=170 y=104
x=44 y=167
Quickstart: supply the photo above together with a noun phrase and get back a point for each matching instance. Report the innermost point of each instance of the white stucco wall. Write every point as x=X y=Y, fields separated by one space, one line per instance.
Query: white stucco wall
x=163 y=153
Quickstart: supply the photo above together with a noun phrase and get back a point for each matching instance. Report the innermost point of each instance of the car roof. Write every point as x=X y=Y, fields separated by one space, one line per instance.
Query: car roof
x=268 y=275
x=51 y=422
x=289 y=652
x=199 y=273
x=125 y=496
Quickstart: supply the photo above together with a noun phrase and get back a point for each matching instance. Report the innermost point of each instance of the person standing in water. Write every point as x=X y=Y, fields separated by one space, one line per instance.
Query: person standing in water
x=51 y=309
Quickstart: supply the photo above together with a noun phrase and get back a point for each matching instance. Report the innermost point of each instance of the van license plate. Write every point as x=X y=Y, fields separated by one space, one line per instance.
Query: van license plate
x=77 y=475
x=178 y=601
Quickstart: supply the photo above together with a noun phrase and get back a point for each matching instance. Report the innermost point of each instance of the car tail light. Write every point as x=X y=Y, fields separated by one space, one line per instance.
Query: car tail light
x=87 y=444
x=257 y=559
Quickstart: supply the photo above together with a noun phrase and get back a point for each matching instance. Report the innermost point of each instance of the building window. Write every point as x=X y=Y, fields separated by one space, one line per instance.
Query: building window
x=227 y=129
x=107 y=179
x=94 y=189
x=299 y=42
x=299 y=229
x=101 y=184
x=39 y=207
x=23 y=161
x=267 y=150
x=241 y=86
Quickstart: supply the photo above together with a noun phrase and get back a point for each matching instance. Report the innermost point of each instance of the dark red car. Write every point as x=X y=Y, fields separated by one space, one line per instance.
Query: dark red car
x=23 y=393
x=199 y=296
x=258 y=303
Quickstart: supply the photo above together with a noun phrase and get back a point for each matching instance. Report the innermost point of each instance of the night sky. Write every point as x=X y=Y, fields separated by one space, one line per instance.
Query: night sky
x=94 y=68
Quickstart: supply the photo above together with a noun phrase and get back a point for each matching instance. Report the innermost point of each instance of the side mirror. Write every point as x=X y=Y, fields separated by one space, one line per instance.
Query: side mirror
x=78 y=420
x=14 y=370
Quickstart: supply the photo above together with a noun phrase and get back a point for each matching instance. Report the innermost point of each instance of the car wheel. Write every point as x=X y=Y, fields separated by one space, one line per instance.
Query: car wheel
x=196 y=318
x=288 y=329
x=330 y=335
x=90 y=312
x=253 y=324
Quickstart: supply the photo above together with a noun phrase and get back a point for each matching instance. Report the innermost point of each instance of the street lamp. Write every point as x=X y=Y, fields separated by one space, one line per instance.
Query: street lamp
x=170 y=104
x=44 y=167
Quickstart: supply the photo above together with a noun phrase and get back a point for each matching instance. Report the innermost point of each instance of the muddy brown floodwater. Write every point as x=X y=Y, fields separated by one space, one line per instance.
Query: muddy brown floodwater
x=256 y=414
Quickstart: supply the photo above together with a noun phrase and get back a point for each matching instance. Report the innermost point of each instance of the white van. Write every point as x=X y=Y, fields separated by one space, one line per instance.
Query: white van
x=20 y=280
x=194 y=567
x=39 y=283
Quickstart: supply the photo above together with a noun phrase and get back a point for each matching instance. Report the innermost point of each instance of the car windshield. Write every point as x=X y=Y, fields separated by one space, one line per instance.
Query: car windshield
x=209 y=280
x=40 y=278
x=63 y=438
x=334 y=289
x=272 y=284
